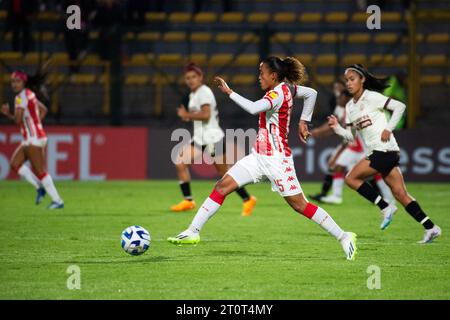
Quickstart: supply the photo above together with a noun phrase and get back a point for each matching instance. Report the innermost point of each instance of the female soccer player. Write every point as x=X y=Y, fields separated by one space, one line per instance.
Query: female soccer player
x=345 y=156
x=28 y=113
x=271 y=156
x=365 y=113
x=202 y=111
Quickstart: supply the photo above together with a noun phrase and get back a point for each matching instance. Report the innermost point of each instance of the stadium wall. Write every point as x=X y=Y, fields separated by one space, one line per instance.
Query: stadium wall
x=85 y=153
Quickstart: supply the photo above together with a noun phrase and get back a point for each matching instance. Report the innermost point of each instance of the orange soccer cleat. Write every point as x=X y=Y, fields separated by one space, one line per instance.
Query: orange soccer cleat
x=248 y=206
x=184 y=205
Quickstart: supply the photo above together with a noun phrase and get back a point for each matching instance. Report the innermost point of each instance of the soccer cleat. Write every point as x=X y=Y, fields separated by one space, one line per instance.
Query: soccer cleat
x=331 y=199
x=40 y=195
x=388 y=215
x=348 y=243
x=248 y=206
x=184 y=205
x=431 y=234
x=186 y=237
x=56 y=205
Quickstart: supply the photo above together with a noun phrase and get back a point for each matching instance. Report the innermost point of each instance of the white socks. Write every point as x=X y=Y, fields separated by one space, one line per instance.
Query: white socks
x=337 y=185
x=47 y=182
x=323 y=219
x=204 y=213
x=385 y=190
x=26 y=173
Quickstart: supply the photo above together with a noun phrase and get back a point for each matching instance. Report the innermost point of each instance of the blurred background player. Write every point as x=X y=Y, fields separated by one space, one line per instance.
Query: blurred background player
x=271 y=156
x=345 y=155
x=365 y=113
x=28 y=113
x=202 y=111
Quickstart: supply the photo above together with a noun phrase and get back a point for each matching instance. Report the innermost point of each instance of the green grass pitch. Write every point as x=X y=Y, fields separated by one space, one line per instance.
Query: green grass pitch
x=274 y=254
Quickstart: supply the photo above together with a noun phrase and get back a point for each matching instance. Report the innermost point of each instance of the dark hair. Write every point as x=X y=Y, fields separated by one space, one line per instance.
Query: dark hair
x=372 y=82
x=192 y=66
x=288 y=69
x=37 y=82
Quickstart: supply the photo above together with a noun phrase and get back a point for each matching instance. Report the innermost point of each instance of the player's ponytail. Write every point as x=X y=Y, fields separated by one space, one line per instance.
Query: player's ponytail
x=295 y=72
x=372 y=82
x=289 y=69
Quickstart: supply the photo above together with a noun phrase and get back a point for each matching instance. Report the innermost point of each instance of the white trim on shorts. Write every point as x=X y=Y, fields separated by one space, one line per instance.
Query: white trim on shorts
x=34 y=141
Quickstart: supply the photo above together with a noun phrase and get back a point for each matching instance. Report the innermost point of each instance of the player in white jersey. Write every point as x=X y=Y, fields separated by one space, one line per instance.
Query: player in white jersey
x=208 y=136
x=344 y=157
x=28 y=114
x=271 y=156
x=365 y=113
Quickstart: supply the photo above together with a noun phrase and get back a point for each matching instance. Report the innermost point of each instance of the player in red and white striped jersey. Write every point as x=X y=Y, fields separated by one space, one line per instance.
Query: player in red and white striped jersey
x=271 y=156
x=28 y=113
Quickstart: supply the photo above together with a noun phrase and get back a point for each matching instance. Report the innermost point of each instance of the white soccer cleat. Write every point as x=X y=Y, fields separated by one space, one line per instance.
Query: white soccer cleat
x=331 y=199
x=388 y=215
x=431 y=234
x=348 y=243
x=186 y=237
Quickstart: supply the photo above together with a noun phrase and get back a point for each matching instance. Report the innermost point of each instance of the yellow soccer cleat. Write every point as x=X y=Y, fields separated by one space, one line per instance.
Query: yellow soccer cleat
x=248 y=206
x=184 y=205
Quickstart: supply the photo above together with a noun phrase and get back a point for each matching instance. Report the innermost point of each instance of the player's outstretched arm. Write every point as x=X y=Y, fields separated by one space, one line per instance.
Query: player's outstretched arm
x=347 y=133
x=309 y=96
x=253 y=107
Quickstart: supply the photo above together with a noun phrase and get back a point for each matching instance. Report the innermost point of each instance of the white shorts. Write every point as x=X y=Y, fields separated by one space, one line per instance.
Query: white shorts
x=34 y=141
x=280 y=171
x=348 y=158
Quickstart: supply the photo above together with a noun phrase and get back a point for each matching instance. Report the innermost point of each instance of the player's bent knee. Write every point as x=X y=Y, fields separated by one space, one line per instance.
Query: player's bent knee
x=350 y=181
x=223 y=187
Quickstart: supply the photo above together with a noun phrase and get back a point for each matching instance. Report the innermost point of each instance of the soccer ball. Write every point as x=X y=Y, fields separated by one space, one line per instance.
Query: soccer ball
x=135 y=240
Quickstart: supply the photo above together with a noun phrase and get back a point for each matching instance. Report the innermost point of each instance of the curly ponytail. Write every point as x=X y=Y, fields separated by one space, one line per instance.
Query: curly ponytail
x=288 y=69
x=295 y=72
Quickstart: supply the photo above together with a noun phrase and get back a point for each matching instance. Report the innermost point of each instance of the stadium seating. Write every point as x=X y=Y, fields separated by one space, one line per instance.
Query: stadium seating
x=324 y=37
x=232 y=17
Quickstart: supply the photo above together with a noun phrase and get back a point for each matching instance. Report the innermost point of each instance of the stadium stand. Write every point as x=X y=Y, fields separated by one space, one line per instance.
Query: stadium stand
x=324 y=37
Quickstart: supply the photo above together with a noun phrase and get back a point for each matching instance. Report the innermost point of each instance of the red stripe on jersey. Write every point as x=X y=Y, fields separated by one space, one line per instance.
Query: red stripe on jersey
x=30 y=127
x=23 y=131
x=34 y=113
x=274 y=134
x=263 y=145
x=283 y=119
x=271 y=104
